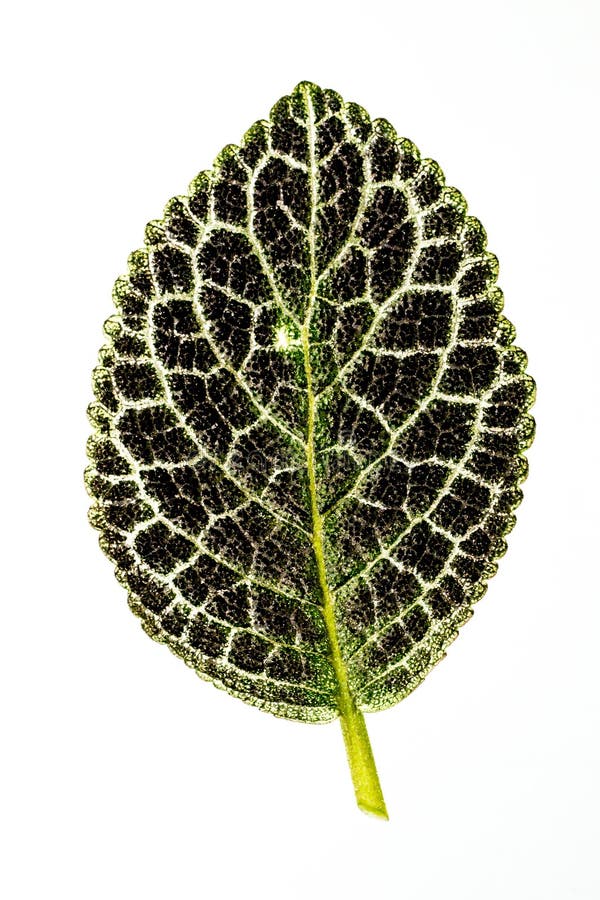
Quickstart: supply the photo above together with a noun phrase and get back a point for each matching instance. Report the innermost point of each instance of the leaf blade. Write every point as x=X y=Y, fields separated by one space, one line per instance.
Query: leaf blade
x=310 y=417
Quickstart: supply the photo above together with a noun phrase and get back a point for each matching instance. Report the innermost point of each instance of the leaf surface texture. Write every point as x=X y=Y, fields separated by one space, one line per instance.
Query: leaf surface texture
x=310 y=415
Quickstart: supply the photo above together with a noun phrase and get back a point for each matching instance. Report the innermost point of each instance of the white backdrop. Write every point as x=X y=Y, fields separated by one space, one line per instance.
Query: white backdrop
x=125 y=776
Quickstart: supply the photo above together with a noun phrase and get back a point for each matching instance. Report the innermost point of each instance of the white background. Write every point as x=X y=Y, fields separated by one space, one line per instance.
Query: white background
x=125 y=776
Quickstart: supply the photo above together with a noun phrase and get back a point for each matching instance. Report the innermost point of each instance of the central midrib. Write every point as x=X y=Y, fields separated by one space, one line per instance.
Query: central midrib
x=360 y=756
x=344 y=699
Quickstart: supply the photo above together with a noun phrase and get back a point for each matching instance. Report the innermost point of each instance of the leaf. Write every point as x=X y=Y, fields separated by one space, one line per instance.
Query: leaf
x=310 y=420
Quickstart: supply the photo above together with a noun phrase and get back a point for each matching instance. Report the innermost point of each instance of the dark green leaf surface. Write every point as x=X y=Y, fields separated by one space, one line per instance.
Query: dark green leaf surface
x=310 y=416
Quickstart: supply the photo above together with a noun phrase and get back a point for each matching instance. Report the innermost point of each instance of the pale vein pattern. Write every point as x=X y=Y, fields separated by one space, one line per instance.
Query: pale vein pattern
x=320 y=285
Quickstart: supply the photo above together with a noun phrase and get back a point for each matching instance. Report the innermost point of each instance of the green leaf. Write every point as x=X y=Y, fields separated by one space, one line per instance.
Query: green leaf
x=310 y=420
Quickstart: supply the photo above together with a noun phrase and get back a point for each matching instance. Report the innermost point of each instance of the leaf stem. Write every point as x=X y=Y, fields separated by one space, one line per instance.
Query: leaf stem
x=365 y=779
x=358 y=747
